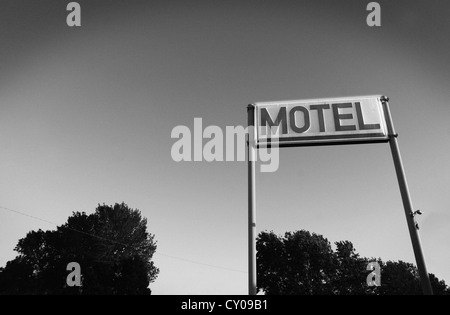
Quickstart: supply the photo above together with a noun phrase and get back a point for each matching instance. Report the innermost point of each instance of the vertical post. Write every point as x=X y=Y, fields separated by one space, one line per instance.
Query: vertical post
x=251 y=149
x=407 y=204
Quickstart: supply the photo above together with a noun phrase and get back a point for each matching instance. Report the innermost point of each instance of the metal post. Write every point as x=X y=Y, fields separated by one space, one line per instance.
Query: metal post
x=407 y=204
x=251 y=149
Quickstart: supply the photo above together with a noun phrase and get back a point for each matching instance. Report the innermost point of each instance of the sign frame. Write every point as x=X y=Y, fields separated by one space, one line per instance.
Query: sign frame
x=391 y=137
x=329 y=138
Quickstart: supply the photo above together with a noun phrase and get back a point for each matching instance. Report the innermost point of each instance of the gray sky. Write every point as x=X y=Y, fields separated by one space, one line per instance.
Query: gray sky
x=86 y=116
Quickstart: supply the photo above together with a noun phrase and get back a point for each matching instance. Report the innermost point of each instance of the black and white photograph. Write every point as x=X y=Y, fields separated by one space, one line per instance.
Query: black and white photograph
x=224 y=151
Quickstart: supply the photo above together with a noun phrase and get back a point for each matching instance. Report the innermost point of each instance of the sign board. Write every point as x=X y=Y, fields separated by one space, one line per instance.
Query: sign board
x=321 y=121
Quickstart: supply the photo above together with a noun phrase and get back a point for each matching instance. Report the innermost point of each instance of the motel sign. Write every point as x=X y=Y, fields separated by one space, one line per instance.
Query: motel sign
x=321 y=121
x=329 y=121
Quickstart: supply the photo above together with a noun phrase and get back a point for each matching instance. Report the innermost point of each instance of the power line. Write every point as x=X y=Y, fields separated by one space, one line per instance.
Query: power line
x=27 y=215
x=112 y=241
x=200 y=263
x=69 y=228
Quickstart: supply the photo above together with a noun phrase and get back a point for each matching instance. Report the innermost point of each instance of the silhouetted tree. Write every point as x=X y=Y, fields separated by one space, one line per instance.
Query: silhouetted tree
x=351 y=274
x=111 y=245
x=302 y=263
x=298 y=263
x=402 y=278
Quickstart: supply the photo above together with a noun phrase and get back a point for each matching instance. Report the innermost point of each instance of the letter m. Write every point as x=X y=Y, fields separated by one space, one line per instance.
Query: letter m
x=267 y=120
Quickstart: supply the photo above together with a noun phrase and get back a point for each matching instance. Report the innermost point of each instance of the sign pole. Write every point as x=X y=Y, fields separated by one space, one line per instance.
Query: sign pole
x=251 y=149
x=407 y=204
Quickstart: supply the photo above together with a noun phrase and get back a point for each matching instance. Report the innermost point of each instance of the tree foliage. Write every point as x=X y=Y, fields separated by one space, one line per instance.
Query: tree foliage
x=112 y=246
x=304 y=263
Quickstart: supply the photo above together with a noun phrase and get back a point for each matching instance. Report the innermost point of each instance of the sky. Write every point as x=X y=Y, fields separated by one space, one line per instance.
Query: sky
x=86 y=115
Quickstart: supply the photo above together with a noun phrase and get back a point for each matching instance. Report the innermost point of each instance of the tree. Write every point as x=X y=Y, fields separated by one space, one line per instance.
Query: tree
x=302 y=263
x=112 y=246
x=350 y=271
x=402 y=278
x=298 y=263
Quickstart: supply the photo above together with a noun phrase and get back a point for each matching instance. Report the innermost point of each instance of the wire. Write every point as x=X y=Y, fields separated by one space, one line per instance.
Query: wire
x=200 y=263
x=112 y=241
x=27 y=215
x=69 y=228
